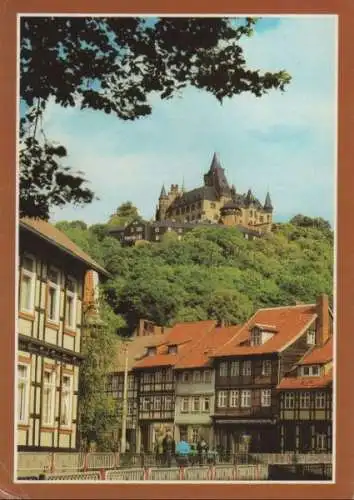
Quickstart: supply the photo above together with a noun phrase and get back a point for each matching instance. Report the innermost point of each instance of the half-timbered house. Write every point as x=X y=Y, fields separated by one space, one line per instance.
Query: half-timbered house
x=305 y=399
x=156 y=393
x=195 y=387
x=250 y=366
x=51 y=275
x=147 y=333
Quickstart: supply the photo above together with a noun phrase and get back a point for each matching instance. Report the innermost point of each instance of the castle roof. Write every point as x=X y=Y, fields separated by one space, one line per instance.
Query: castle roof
x=163 y=192
x=268 y=202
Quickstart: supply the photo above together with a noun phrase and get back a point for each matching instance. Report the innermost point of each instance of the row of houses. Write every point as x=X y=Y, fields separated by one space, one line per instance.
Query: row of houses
x=269 y=380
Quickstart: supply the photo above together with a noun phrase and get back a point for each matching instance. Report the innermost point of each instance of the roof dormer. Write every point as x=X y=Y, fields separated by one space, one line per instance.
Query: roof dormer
x=309 y=371
x=172 y=349
x=260 y=334
x=151 y=351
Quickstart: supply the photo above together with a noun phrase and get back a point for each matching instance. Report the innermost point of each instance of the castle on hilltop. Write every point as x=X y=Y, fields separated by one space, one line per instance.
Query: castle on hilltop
x=215 y=202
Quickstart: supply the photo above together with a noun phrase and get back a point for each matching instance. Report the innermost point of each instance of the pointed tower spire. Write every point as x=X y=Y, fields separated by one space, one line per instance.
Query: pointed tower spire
x=249 y=197
x=183 y=189
x=163 y=192
x=268 y=203
x=215 y=162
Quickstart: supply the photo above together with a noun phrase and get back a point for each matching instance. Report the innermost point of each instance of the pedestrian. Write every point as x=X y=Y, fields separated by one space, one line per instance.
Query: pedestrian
x=202 y=448
x=169 y=448
x=183 y=451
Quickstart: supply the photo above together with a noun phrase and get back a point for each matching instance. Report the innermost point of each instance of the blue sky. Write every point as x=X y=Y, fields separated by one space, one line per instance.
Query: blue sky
x=281 y=142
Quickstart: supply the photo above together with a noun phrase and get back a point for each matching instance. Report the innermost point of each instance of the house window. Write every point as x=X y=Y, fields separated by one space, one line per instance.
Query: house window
x=185 y=377
x=305 y=400
x=53 y=295
x=289 y=400
x=131 y=382
x=206 y=404
x=66 y=401
x=256 y=337
x=146 y=404
x=157 y=229
x=245 y=399
x=234 y=399
x=48 y=397
x=266 y=367
x=207 y=376
x=23 y=390
x=114 y=383
x=168 y=403
x=195 y=435
x=266 y=397
x=311 y=337
x=320 y=399
x=235 y=368
x=28 y=283
x=172 y=349
x=157 y=403
x=130 y=408
x=197 y=377
x=169 y=375
x=151 y=351
x=195 y=404
x=146 y=378
x=222 y=399
x=246 y=368
x=70 y=310
x=158 y=377
x=311 y=371
x=321 y=442
x=223 y=369
x=185 y=405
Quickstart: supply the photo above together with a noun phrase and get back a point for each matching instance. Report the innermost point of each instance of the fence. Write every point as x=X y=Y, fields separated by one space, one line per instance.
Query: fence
x=212 y=473
x=31 y=464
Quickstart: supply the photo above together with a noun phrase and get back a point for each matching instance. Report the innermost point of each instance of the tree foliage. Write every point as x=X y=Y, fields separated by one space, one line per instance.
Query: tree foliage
x=98 y=412
x=125 y=213
x=114 y=65
x=216 y=273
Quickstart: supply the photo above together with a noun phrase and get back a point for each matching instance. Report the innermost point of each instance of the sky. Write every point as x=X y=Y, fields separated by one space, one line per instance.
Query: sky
x=281 y=142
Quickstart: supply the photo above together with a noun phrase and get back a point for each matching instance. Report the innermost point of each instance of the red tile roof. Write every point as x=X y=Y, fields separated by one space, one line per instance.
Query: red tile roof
x=136 y=349
x=185 y=336
x=289 y=383
x=52 y=234
x=289 y=321
x=319 y=355
x=199 y=356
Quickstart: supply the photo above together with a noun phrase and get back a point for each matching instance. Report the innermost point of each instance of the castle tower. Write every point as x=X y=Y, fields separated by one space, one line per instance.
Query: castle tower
x=216 y=178
x=164 y=203
x=268 y=210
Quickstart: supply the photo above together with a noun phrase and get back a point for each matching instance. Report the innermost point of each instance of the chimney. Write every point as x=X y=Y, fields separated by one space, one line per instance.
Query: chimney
x=323 y=319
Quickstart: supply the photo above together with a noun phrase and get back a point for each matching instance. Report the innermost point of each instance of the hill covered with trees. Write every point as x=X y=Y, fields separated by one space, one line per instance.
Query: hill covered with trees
x=213 y=272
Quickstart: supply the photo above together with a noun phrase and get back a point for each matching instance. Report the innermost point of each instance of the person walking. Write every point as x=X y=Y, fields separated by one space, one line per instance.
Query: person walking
x=183 y=451
x=169 y=448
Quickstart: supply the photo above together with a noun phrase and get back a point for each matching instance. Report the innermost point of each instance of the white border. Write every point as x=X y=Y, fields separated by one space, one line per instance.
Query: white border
x=335 y=161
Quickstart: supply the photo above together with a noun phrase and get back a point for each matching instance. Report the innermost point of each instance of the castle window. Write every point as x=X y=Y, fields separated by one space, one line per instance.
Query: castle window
x=188 y=209
x=212 y=205
x=157 y=229
x=261 y=218
x=193 y=207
